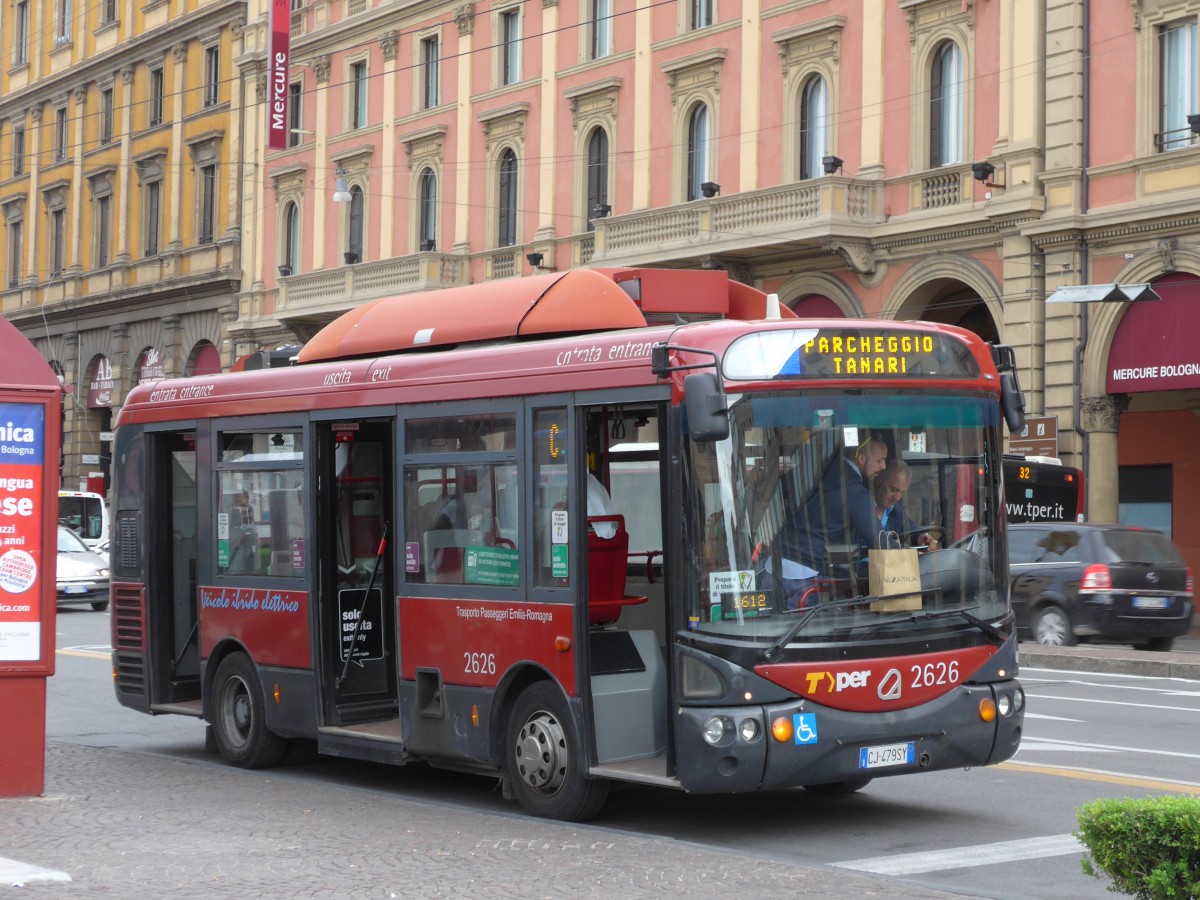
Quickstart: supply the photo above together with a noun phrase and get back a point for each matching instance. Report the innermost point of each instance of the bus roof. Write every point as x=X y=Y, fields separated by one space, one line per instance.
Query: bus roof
x=579 y=301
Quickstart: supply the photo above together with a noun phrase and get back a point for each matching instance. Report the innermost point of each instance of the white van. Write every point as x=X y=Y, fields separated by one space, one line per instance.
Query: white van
x=85 y=514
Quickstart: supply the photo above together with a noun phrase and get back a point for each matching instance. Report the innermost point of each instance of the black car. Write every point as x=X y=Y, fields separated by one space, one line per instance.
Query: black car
x=1074 y=582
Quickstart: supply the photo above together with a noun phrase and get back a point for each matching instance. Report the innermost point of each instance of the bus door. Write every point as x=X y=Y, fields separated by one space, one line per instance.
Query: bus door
x=356 y=596
x=626 y=600
x=172 y=564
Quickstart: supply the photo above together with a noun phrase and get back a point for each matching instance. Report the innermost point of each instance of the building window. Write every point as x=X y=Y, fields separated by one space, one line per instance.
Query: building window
x=510 y=46
x=108 y=12
x=14 y=254
x=428 y=224
x=103 y=229
x=355 y=250
x=57 y=220
x=506 y=200
x=106 y=116
x=18 y=150
x=945 y=106
x=62 y=23
x=697 y=151
x=60 y=134
x=1145 y=495
x=701 y=13
x=21 y=33
x=358 y=98
x=601 y=28
x=291 y=239
x=295 y=113
x=430 y=56
x=597 y=176
x=212 y=75
x=208 y=203
x=153 y=192
x=156 y=97
x=813 y=116
x=1177 y=46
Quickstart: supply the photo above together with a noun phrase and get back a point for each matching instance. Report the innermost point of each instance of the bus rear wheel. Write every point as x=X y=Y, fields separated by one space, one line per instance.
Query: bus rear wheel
x=541 y=761
x=240 y=717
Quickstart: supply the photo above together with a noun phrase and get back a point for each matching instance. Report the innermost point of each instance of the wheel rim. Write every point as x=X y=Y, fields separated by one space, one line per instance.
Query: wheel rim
x=541 y=753
x=237 y=714
x=1052 y=628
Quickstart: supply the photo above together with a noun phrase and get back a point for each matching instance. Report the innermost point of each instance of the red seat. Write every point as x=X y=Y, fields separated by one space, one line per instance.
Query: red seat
x=608 y=564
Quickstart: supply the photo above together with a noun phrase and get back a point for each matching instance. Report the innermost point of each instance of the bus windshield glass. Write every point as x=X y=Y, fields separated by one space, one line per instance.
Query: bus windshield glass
x=788 y=514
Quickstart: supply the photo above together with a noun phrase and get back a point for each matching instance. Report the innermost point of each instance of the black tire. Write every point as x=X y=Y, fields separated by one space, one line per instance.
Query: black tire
x=1157 y=645
x=100 y=605
x=240 y=717
x=1052 y=627
x=837 y=788
x=542 y=761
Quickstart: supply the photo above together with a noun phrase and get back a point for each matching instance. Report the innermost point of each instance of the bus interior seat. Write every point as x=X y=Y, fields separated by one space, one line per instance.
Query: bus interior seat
x=444 y=553
x=281 y=562
x=608 y=566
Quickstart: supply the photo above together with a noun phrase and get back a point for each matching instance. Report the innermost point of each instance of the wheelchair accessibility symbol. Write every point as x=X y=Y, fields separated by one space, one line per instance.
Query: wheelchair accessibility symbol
x=805 y=726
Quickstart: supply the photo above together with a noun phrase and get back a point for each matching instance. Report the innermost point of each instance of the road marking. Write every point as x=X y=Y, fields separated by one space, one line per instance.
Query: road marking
x=1129 y=676
x=18 y=874
x=94 y=651
x=1173 y=787
x=1030 y=715
x=1118 y=687
x=967 y=857
x=1189 y=709
x=1117 y=747
x=1035 y=745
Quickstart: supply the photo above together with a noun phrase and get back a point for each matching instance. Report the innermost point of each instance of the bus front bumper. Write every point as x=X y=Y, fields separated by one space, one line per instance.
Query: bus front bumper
x=822 y=745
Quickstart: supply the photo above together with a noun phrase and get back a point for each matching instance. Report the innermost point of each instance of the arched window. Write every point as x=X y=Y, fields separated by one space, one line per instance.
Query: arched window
x=506 y=201
x=697 y=150
x=291 y=238
x=945 y=111
x=597 y=176
x=428 y=226
x=813 y=116
x=354 y=251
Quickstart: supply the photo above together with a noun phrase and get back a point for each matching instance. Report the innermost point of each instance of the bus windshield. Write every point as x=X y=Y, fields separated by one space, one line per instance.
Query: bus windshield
x=784 y=519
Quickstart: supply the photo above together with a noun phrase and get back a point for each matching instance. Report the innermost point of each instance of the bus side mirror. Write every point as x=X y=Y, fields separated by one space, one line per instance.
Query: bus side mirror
x=707 y=411
x=1012 y=401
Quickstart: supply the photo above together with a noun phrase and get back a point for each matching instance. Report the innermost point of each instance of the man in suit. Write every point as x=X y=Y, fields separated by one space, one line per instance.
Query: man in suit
x=840 y=511
x=890 y=487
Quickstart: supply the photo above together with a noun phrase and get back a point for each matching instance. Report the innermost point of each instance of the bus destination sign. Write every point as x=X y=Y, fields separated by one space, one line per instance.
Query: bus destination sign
x=848 y=352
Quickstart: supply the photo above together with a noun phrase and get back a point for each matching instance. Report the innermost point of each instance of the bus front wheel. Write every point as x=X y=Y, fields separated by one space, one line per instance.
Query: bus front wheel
x=542 y=764
x=240 y=718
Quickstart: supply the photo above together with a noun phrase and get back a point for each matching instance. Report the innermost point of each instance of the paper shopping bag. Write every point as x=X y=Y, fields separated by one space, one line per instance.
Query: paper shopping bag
x=895 y=577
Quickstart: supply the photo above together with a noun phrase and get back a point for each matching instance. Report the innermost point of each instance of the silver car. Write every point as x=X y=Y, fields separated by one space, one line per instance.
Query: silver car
x=82 y=574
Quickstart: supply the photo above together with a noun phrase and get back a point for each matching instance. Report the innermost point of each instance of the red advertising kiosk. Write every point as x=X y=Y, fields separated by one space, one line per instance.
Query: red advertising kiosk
x=30 y=433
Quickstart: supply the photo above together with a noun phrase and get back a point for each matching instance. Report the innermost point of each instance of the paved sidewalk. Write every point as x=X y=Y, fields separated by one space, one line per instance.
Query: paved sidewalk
x=125 y=825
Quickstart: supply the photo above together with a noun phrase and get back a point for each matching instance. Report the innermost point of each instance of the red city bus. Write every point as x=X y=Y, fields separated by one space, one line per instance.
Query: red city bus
x=386 y=547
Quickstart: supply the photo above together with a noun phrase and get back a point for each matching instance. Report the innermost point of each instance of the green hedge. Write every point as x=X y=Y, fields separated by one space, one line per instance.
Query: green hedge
x=1149 y=847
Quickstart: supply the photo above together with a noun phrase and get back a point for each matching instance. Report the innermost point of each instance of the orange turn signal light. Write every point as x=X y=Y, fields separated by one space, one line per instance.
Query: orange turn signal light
x=781 y=729
x=987 y=709
x=475 y=716
x=562 y=643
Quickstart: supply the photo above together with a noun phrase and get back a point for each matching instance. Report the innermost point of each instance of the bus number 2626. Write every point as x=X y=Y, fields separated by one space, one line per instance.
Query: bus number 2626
x=479 y=663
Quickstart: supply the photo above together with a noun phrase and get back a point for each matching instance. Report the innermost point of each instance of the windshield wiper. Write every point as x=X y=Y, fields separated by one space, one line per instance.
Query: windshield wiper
x=772 y=652
x=986 y=627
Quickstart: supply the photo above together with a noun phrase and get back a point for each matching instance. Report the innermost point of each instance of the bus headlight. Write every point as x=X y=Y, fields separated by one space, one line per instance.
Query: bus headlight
x=714 y=730
x=749 y=730
x=1018 y=700
x=1004 y=704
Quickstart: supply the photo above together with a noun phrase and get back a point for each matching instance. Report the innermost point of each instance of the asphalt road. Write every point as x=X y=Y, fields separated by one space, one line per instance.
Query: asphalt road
x=1102 y=721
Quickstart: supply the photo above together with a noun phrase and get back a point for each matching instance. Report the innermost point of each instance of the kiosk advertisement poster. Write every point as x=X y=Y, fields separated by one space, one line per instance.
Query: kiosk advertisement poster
x=22 y=445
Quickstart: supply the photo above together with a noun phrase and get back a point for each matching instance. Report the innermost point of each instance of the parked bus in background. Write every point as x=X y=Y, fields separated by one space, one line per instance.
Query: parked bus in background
x=1042 y=489
x=86 y=515
x=387 y=548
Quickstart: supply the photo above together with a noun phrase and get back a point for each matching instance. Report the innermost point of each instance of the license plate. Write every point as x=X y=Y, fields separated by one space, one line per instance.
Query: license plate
x=76 y=588
x=887 y=755
x=1151 y=602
